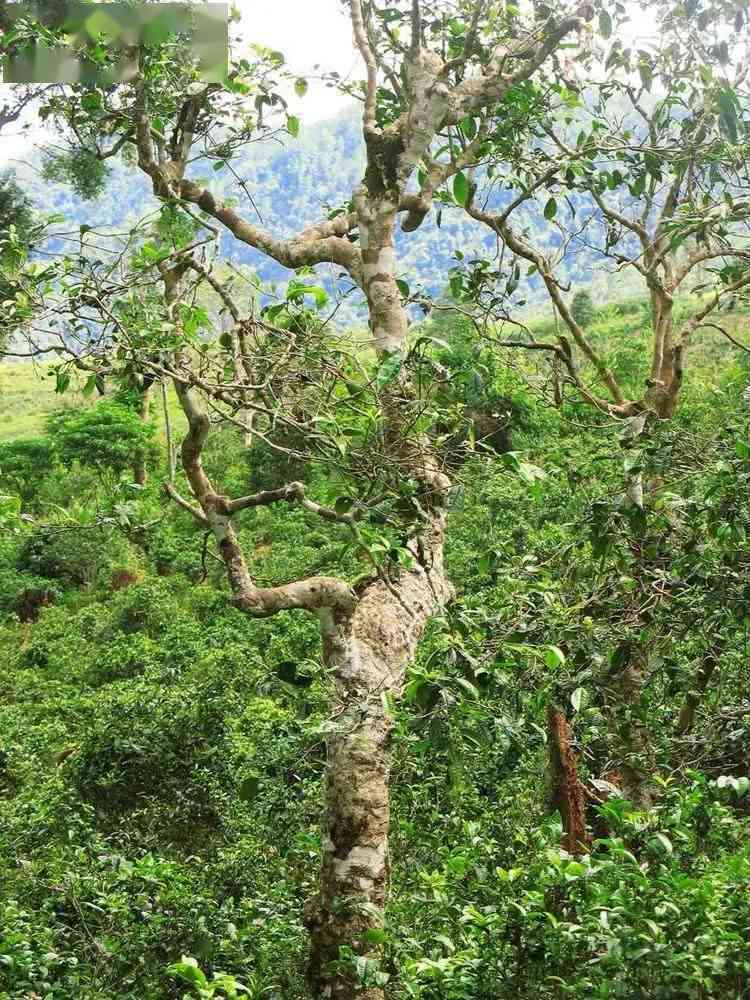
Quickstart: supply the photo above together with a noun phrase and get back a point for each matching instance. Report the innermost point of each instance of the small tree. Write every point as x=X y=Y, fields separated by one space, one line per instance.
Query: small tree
x=582 y=308
x=645 y=172
x=108 y=436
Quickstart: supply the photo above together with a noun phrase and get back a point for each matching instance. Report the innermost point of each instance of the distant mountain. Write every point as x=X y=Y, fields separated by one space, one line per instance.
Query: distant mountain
x=292 y=185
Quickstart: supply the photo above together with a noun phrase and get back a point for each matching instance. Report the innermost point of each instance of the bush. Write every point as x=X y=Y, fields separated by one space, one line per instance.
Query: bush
x=150 y=753
x=107 y=436
x=23 y=463
x=149 y=607
x=582 y=308
x=647 y=914
x=79 y=556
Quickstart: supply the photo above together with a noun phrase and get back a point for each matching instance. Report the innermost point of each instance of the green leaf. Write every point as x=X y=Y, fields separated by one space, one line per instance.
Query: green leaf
x=403 y=287
x=578 y=698
x=293 y=125
x=469 y=128
x=389 y=370
x=554 y=657
x=727 y=103
x=249 y=788
x=605 y=24
x=550 y=209
x=461 y=189
x=188 y=971
x=301 y=87
x=576 y=869
x=665 y=842
x=375 y=935
x=83 y=229
x=653 y=164
x=470 y=689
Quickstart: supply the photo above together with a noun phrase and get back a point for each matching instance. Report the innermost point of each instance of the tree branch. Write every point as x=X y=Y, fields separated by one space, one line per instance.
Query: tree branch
x=363 y=44
x=185 y=504
x=523 y=249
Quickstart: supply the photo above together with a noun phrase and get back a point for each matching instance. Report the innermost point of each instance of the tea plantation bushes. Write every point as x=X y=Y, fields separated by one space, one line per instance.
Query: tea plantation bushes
x=82 y=557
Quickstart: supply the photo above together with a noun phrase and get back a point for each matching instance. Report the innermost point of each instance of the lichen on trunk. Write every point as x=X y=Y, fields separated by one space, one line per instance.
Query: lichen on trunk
x=368 y=651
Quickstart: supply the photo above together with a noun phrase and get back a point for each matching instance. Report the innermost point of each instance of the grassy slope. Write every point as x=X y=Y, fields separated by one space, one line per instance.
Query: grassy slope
x=27 y=391
x=27 y=396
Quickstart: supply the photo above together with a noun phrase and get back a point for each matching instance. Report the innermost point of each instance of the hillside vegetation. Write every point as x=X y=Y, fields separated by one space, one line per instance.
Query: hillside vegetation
x=161 y=755
x=374 y=573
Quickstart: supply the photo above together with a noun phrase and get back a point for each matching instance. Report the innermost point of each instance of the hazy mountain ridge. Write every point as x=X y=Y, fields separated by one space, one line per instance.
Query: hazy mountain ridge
x=293 y=185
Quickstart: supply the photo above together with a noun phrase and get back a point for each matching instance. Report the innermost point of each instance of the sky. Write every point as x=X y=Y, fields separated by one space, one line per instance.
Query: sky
x=307 y=32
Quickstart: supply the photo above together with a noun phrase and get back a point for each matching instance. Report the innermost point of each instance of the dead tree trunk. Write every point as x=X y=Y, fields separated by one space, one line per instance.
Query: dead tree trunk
x=567 y=792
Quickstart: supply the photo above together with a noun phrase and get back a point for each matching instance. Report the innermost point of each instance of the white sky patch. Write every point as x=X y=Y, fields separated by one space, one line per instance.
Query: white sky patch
x=308 y=32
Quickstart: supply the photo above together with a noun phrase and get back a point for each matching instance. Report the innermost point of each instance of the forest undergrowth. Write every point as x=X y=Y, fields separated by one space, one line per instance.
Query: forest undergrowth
x=162 y=754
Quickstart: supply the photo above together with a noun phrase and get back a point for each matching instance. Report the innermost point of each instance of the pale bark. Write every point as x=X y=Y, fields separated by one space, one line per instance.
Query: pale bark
x=368 y=652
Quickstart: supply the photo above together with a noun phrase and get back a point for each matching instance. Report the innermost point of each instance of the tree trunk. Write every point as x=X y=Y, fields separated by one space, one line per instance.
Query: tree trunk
x=139 y=462
x=368 y=650
x=666 y=365
x=170 y=445
x=626 y=683
x=567 y=792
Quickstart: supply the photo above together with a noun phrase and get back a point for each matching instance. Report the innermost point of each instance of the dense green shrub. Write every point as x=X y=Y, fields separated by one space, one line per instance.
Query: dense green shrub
x=106 y=436
x=582 y=308
x=18 y=586
x=24 y=463
x=80 y=555
x=648 y=914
